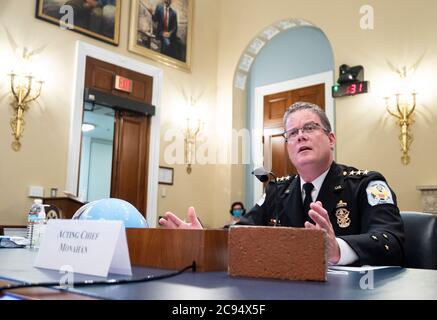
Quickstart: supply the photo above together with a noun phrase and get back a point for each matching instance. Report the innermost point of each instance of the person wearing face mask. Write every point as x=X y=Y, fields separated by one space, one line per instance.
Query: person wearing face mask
x=356 y=208
x=237 y=211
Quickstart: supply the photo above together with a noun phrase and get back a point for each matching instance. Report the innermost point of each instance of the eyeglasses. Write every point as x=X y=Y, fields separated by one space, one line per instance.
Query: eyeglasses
x=307 y=128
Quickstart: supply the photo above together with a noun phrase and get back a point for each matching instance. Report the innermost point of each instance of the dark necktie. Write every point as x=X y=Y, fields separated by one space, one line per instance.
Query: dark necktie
x=308 y=187
x=165 y=18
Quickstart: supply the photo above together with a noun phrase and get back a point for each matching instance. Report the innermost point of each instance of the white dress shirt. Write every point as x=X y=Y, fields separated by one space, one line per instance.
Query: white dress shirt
x=347 y=254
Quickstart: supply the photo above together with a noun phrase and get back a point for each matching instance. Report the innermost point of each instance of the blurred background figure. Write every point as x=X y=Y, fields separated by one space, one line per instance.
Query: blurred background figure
x=87 y=14
x=236 y=212
x=108 y=17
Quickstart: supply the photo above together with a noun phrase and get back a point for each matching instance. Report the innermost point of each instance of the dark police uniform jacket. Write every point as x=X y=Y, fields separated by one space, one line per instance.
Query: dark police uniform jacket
x=361 y=206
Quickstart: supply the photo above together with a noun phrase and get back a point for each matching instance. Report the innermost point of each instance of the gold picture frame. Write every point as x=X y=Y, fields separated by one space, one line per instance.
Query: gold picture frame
x=101 y=22
x=167 y=40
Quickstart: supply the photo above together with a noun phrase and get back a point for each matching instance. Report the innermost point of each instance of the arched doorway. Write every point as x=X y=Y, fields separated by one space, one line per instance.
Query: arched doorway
x=288 y=55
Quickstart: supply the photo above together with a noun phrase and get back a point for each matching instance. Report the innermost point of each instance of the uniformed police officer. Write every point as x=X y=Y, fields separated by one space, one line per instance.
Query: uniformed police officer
x=357 y=208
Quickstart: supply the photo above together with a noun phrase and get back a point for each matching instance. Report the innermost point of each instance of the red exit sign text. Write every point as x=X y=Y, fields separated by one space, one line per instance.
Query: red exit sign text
x=123 y=84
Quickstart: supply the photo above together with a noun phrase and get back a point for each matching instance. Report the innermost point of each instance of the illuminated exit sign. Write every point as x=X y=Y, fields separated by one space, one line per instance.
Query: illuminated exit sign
x=123 y=84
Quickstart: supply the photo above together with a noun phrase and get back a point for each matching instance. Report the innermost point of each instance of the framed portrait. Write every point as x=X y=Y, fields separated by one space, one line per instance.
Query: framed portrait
x=99 y=19
x=161 y=30
x=165 y=175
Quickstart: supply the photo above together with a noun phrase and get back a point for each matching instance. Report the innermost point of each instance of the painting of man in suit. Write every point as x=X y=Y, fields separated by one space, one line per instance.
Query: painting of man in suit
x=162 y=26
x=167 y=27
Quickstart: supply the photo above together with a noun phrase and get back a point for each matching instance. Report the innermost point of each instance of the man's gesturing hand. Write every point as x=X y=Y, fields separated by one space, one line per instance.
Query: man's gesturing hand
x=321 y=218
x=171 y=221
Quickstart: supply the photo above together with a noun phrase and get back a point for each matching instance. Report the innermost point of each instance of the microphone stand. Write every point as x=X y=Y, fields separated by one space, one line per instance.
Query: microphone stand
x=275 y=181
x=264 y=176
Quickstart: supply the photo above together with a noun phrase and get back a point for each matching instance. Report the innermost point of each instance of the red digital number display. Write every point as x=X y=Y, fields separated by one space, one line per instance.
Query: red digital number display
x=355 y=88
x=351 y=89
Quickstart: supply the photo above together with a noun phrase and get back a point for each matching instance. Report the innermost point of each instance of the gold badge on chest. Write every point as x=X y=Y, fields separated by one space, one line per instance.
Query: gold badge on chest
x=342 y=215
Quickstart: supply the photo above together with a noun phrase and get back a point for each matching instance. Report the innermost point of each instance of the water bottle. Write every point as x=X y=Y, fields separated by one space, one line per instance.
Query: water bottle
x=35 y=223
x=40 y=226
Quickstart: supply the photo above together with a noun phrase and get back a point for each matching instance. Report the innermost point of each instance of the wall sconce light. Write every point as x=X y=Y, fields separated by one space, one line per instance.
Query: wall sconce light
x=25 y=89
x=190 y=135
x=404 y=115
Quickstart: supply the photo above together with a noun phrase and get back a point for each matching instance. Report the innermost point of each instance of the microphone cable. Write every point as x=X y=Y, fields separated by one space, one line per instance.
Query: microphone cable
x=99 y=282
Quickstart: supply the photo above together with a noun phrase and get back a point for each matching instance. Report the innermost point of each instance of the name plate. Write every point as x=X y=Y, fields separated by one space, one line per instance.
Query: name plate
x=87 y=246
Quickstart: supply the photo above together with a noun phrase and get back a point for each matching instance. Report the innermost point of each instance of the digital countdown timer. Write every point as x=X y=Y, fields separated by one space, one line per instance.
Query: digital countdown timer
x=350 y=89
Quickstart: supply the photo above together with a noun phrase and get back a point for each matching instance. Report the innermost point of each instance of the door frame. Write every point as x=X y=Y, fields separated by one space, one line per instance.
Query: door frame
x=258 y=115
x=82 y=51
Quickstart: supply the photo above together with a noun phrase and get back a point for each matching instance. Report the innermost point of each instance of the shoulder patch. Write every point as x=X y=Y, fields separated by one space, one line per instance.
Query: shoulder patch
x=261 y=200
x=378 y=193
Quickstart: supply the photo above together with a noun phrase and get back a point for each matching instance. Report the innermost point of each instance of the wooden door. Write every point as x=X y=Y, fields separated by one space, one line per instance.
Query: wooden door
x=275 y=149
x=131 y=134
x=130 y=161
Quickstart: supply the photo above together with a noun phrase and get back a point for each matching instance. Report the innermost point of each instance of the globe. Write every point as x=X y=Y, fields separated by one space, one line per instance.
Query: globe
x=112 y=209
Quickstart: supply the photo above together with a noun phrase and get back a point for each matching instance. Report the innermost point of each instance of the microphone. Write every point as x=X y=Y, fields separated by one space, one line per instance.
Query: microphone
x=263 y=175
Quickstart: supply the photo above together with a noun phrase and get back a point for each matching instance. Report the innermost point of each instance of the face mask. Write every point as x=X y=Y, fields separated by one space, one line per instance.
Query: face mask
x=237 y=213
